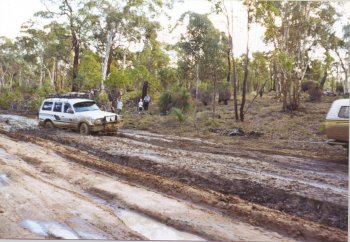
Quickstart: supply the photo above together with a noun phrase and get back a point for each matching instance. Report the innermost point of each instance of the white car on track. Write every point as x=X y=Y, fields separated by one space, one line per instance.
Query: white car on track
x=79 y=114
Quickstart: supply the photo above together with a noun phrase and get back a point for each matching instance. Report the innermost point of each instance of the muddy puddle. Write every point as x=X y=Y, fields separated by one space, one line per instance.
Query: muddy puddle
x=4 y=180
x=145 y=135
x=49 y=229
x=9 y=121
x=54 y=229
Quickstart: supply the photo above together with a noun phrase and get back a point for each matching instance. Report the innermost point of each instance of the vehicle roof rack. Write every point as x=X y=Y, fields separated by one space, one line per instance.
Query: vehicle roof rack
x=70 y=95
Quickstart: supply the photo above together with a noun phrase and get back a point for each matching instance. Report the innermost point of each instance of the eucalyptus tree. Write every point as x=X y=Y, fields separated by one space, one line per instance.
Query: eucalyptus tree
x=9 y=63
x=259 y=71
x=122 y=24
x=76 y=15
x=194 y=43
x=202 y=52
x=250 y=12
x=220 y=7
x=342 y=49
x=294 y=29
x=45 y=50
x=34 y=44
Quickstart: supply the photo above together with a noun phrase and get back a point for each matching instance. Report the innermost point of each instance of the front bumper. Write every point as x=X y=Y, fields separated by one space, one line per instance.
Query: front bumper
x=106 y=127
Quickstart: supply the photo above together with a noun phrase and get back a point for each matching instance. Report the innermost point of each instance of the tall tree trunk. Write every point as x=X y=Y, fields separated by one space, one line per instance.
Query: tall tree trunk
x=246 y=67
x=11 y=82
x=197 y=81
x=41 y=71
x=229 y=58
x=20 y=78
x=2 y=78
x=244 y=87
x=56 y=77
x=144 y=89
x=214 y=99
x=346 y=83
x=284 y=90
x=323 y=80
x=105 y=62
x=110 y=58
x=53 y=73
x=235 y=88
x=76 y=47
x=276 y=81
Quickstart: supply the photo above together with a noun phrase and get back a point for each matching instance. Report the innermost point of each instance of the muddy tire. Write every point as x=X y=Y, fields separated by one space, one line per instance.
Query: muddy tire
x=84 y=129
x=49 y=125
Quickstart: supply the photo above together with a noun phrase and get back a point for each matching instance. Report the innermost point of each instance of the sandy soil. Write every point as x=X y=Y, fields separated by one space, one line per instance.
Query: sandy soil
x=210 y=190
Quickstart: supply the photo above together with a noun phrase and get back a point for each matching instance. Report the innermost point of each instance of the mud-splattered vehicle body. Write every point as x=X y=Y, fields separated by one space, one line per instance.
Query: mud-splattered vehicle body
x=79 y=114
x=337 y=122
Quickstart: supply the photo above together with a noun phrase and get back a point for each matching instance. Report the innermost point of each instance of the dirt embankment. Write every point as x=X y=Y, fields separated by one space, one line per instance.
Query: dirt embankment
x=283 y=197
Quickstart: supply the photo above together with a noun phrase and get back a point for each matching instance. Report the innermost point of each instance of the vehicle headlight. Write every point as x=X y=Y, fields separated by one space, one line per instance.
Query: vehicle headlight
x=98 y=121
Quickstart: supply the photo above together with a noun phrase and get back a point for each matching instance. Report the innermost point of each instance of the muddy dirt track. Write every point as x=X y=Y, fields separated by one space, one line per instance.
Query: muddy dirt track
x=87 y=186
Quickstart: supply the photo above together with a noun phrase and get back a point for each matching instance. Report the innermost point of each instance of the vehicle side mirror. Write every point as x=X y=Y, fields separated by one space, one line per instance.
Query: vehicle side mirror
x=69 y=110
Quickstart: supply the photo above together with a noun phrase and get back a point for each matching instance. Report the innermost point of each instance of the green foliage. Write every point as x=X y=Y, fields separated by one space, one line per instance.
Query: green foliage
x=178 y=98
x=102 y=98
x=89 y=75
x=178 y=114
x=165 y=102
x=201 y=45
x=119 y=78
x=6 y=98
x=167 y=77
x=182 y=100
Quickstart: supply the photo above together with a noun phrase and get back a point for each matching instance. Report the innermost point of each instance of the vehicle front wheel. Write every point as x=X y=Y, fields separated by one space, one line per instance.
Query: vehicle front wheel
x=84 y=129
x=49 y=125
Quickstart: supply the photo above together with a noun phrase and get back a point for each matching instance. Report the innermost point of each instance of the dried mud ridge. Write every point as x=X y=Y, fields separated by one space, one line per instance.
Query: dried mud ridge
x=283 y=212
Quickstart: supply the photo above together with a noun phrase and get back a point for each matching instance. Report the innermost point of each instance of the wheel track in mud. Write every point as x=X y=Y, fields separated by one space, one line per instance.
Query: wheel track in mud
x=321 y=211
x=225 y=149
x=215 y=199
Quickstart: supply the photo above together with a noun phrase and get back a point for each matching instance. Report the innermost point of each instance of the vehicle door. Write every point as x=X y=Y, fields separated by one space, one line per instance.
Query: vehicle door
x=341 y=127
x=337 y=127
x=46 y=111
x=68 y=116
x=57 y=113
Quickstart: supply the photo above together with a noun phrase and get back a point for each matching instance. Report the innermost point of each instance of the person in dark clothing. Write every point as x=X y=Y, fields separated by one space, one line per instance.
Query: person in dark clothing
x=146 y=102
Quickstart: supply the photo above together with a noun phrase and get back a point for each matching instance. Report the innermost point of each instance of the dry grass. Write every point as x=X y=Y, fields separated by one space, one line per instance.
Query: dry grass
x=298 y=132
x=264 y=116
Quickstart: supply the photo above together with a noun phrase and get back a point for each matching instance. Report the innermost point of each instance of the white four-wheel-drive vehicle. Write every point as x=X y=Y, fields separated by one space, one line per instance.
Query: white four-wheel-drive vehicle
x=79 y=114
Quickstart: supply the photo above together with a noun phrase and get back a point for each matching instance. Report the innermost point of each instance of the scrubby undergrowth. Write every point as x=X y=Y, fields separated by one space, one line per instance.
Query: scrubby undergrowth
x=265 y=124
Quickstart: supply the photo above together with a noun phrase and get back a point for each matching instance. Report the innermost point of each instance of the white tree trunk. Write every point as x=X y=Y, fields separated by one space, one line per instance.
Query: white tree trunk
x=52 y=76
x=346 y=83
x=41 y=70
x=20 y=78
x=105 y=62
x=124 y=60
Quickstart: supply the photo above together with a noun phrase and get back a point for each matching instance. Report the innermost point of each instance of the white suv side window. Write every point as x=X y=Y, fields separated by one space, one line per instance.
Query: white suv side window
x=66 y=107
x=47 y=106
x=344 y=112
x=57 y=107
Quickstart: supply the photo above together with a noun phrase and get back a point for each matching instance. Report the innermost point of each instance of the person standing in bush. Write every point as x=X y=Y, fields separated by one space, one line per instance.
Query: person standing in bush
x=140 y=106
x=119 y=106
x=146 y=102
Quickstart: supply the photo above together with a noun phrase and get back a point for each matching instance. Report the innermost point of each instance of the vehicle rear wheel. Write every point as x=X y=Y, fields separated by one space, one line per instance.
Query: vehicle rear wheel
x=84 y=129
x=49 y=125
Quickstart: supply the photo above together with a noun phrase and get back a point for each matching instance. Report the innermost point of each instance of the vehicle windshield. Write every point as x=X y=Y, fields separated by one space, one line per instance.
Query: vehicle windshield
x=85 y=106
